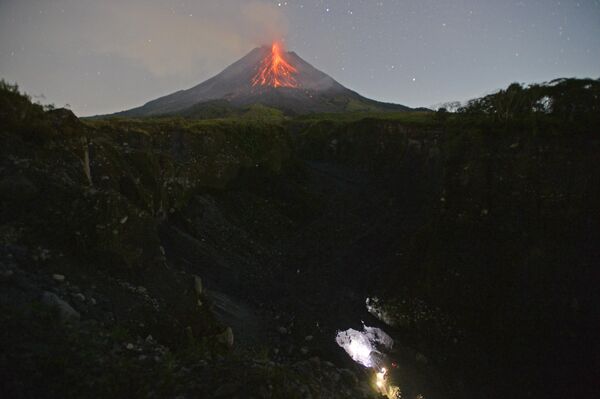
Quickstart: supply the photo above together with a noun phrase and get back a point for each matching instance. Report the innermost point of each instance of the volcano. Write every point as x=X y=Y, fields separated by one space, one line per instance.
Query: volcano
x=269 y=76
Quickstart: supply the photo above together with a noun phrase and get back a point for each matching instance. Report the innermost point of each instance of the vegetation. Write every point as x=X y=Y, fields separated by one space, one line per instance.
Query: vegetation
x=573 y=104
x=222 y=109
x=16 y=109
x=424 y=119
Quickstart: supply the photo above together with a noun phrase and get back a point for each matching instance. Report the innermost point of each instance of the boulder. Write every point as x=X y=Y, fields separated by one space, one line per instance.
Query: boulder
x=226 y=337
x=198 y=285
x=79 y=296
x=66 y=311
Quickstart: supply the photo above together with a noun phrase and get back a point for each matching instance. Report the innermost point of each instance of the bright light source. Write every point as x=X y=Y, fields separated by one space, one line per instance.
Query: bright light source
x=380 y=380
x=367 y=347
x=360 y=351
x=361 y=345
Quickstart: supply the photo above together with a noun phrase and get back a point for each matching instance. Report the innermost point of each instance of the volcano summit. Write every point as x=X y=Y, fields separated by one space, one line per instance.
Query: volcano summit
x=269 y=76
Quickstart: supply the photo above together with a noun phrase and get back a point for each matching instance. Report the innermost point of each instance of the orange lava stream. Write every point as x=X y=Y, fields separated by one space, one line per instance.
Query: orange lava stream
x=275 y=71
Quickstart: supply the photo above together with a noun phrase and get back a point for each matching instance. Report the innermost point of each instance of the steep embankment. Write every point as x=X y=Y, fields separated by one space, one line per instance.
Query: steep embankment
x=493 y=278
x=99 y=225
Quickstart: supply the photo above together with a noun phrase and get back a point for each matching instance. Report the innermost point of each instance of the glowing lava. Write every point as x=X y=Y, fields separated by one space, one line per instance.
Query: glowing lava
x=275 y=71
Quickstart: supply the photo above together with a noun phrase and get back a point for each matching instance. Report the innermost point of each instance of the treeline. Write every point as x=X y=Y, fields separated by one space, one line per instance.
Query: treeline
x=16 y=107
x=575 y=102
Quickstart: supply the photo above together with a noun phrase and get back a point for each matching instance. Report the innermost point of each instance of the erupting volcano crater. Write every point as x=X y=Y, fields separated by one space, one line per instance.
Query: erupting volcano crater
x=275 y=70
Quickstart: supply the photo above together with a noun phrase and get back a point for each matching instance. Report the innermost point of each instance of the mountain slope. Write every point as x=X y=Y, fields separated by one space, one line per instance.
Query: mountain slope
x=268 y=76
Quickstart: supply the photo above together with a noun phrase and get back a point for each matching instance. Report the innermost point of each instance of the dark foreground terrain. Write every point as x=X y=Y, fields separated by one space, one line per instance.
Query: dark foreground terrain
x=218 y=258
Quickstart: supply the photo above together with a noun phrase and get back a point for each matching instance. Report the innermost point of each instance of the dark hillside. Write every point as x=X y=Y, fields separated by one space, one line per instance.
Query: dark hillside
x=175 y=257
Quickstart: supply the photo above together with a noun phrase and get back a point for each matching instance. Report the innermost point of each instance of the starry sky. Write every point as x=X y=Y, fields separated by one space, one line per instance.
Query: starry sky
x=106 y=56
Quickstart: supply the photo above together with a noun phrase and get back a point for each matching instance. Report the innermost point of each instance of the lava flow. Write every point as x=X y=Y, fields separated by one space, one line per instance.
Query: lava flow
x=275 y=71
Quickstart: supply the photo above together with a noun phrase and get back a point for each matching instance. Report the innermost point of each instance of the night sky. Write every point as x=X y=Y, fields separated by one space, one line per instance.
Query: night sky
x=106 y=56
